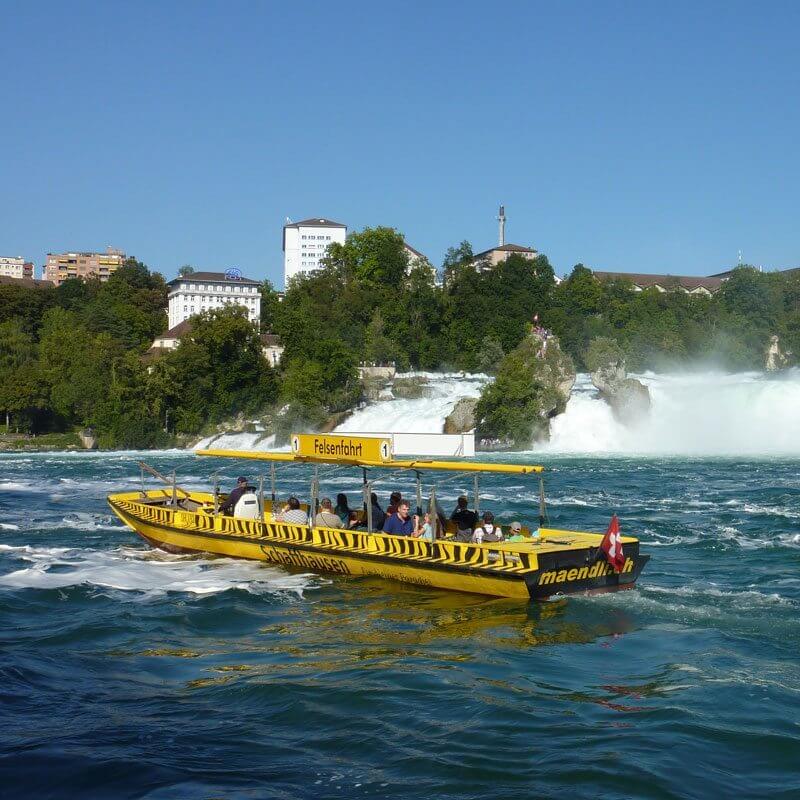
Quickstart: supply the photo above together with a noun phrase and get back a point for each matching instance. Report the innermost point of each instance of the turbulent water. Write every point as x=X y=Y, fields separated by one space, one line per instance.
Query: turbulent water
x=702 y=413
x=129 y=673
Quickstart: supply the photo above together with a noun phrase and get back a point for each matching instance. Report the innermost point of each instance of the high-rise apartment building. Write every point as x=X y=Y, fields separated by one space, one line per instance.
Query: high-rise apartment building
x=61 y=266
x=15 y=267
x=205 y=291
x=306 y=243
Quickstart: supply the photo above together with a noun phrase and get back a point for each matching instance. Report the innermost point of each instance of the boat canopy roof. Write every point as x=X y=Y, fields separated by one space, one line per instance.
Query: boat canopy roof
x=348 y=458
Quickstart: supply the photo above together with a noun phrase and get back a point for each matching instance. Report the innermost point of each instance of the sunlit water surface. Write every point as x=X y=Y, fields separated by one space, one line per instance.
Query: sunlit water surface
x=129 y=673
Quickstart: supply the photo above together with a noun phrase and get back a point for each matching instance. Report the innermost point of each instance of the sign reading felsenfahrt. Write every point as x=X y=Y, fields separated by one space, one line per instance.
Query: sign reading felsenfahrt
x=344 y=448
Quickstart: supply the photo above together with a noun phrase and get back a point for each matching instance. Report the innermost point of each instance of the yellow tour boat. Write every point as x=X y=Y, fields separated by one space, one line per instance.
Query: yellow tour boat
x=545 y=563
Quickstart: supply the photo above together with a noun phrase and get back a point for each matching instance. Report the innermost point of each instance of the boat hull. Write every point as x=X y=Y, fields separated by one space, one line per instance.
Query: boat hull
x=483 y=569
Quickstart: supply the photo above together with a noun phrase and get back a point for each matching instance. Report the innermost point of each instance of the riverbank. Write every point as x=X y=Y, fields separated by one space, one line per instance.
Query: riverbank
x=24 y=442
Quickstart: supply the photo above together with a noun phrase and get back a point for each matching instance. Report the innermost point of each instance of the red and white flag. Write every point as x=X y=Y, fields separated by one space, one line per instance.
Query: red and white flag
x=612 y=545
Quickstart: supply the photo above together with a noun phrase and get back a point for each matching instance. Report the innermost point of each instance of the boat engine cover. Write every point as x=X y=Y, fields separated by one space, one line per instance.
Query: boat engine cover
x=247 y=506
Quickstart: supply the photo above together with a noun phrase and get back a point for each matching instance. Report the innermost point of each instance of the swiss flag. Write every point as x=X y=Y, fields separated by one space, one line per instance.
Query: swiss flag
x=612 y=545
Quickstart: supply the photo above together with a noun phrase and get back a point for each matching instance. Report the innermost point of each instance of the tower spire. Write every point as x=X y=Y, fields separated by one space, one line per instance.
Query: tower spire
x=502 y=220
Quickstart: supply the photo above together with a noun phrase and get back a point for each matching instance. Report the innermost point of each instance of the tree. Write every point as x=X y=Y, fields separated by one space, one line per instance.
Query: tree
x=186 y=269
x=375 y=256
x=16 y=352
x=270 y=300
x=490 y=355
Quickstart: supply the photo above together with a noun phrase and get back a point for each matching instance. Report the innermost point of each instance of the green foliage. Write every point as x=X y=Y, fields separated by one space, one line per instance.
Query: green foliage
x=376 y=257
x=515 y=407
x=269 y=306
x=217 y=370
x=490 y=355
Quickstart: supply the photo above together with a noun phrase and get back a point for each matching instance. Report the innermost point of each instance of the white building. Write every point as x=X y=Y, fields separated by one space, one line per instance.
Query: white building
x=15 y=267
x=306 y=242
x=206 y=291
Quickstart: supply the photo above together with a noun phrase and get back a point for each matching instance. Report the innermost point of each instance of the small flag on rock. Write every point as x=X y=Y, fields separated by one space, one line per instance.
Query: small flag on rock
x=612 y=545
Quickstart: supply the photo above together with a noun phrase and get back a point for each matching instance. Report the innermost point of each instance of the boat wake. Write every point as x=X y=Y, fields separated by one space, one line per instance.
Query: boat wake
x=147 y=573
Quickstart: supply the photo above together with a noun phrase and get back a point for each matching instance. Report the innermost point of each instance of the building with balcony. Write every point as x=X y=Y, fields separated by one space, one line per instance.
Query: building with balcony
x=15 y=267
x=205 y=291
x=62 y=266
x=306 y=243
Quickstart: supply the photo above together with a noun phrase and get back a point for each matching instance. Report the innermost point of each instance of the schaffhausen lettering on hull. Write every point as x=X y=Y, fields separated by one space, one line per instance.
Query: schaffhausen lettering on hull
x=295 y=558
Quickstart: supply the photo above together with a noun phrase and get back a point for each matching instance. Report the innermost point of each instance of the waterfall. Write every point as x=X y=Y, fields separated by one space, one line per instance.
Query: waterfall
x=423 y=415
x=694 y=413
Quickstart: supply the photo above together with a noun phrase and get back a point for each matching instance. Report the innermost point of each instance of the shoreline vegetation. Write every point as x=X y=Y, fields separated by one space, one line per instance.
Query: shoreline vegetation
x=75 y=356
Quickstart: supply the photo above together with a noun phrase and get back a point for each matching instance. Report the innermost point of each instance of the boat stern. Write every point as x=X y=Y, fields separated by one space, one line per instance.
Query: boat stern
x=584 y=572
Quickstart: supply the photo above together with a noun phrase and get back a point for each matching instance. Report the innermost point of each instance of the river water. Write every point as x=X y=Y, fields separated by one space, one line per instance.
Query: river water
x=129 y=673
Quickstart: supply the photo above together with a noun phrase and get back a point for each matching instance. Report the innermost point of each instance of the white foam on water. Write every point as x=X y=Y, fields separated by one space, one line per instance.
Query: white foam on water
x=237 y=441
x=146 y=572
x=16 y=486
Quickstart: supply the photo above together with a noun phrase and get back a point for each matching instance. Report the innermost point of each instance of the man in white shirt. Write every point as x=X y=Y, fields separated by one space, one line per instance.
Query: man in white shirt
x=292 y=513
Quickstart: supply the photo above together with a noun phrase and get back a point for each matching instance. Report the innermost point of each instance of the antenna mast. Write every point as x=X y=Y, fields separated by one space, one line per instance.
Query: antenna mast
x=502 y=220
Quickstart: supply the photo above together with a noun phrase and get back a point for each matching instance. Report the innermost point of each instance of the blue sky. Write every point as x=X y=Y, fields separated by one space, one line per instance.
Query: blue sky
x=653 y=137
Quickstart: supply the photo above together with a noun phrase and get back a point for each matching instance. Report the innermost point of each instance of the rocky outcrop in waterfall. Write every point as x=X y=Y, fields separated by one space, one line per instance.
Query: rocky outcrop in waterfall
x=411 y=388
x=462 y=418
x=533 y=385
x=776 y=358
x=629 y=398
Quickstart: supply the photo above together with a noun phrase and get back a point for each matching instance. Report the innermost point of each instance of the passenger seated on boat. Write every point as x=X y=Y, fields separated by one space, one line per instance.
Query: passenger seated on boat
x=516 y=533
x=424 y=530
x=378 y=517
x=233 y=498
x=326 y=518
x=487 y=531
x=292 y=513
x=400 y=523
x=394 y=500
x=465 y=520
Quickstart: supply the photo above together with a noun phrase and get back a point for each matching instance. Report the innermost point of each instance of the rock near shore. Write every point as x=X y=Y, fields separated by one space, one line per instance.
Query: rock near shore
x=462 y=418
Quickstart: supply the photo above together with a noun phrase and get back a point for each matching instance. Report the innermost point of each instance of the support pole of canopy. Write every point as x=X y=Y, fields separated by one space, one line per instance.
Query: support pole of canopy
x=367 y=490
x=477 y=496
x=542 y=507
x=174 y=490
x=314 y=497
x=419 y=492
x=261 y=498
x=434 y=516
x=272 y=487
x=141 y=469
x=216 y=494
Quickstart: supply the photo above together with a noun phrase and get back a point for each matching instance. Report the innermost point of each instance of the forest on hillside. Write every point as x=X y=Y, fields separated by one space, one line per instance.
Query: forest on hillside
x=76 y=355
